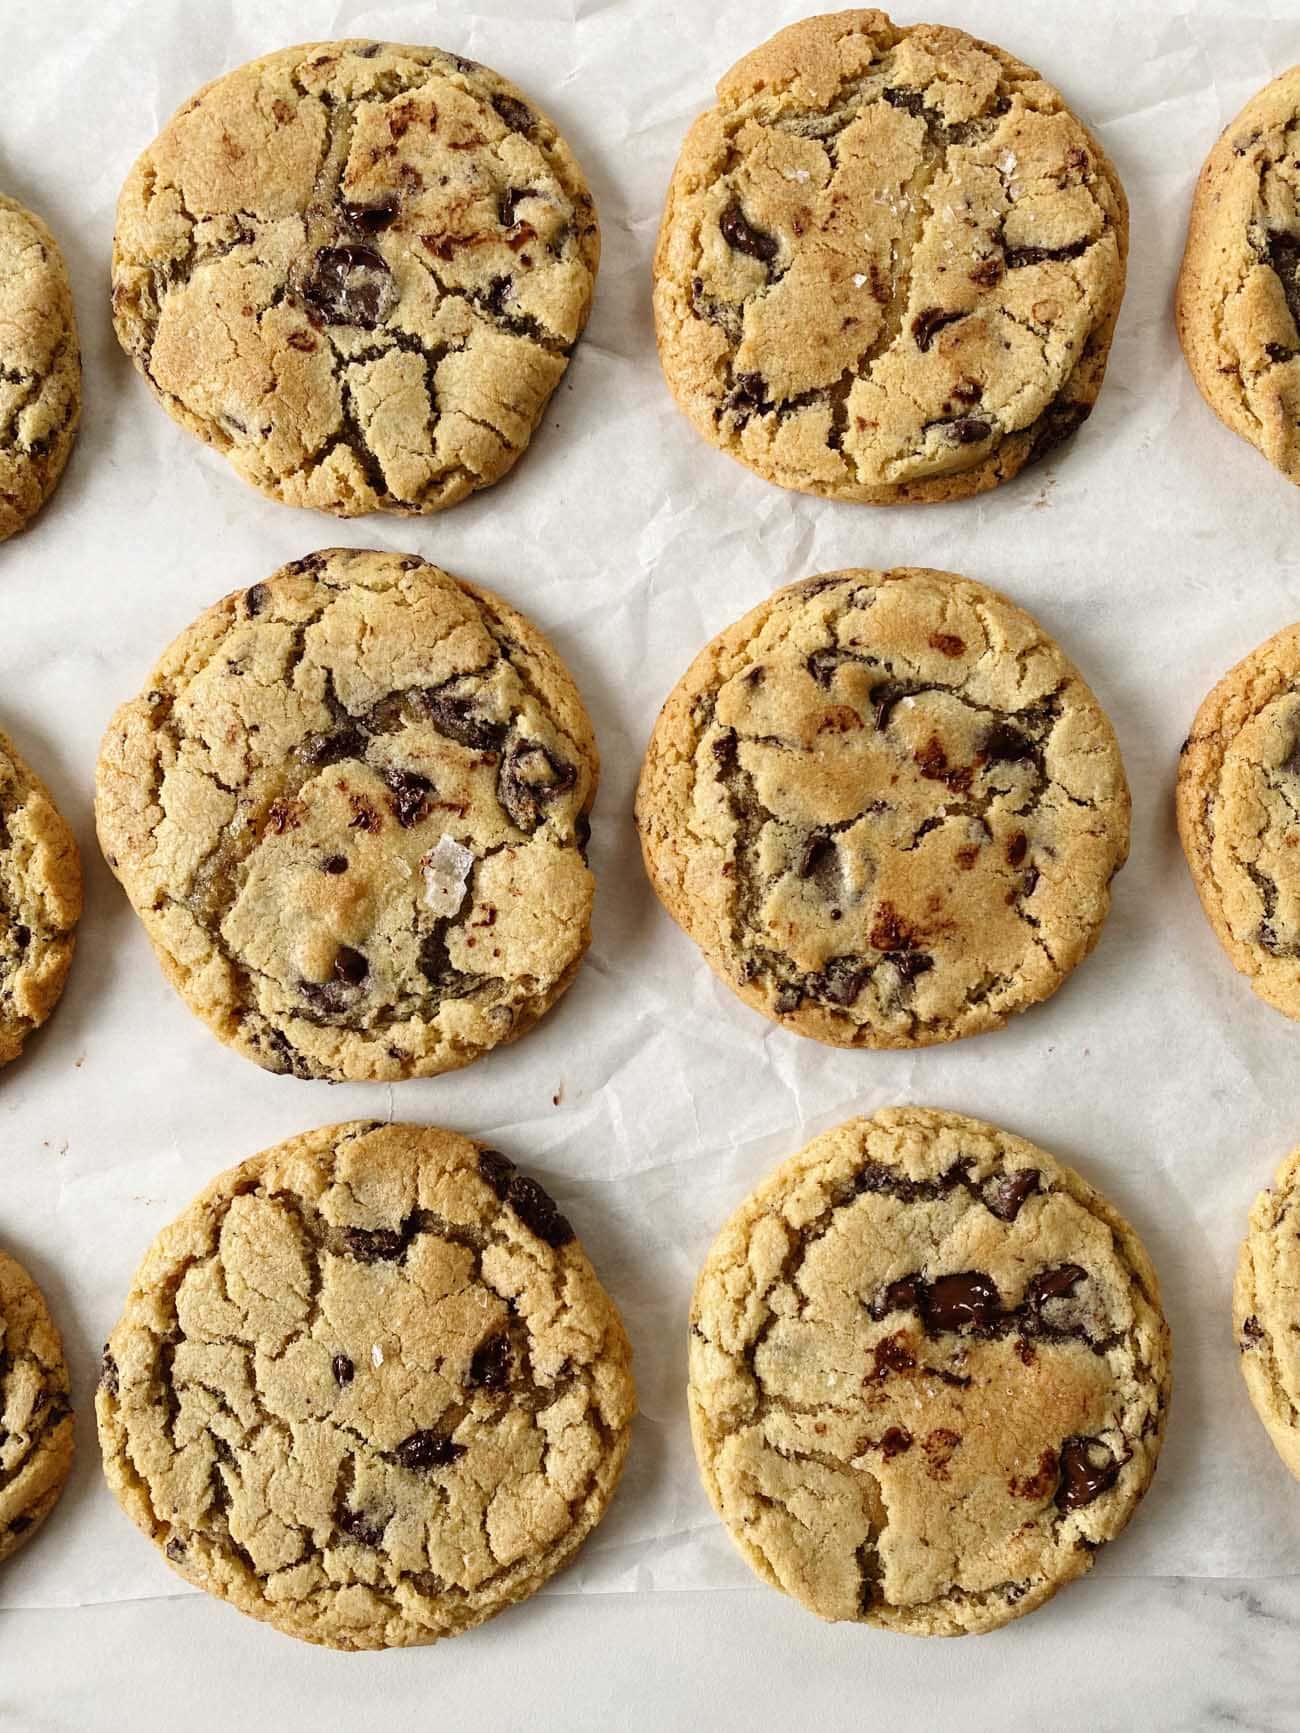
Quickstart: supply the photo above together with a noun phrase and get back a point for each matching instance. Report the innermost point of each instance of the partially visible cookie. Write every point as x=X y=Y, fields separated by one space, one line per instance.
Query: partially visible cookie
x=1239 y=816
x=1238 y=300
x=368 y=1388
x=890 y=265
x=886 y=807
x=358 y=270
x=1266 y=1310
x=40 y=366
x=928 y=1374
x=36 y=1442
x=350 y=808
x=40 y=901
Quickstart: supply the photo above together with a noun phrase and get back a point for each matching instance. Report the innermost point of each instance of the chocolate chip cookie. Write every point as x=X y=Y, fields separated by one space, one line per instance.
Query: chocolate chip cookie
x=890 y=265
x=367 y=1388
x=886 y=807
x=1266 y=1310
x=1238 y=299
x=350 y=808
x=40 y=366
x=928 y=1374
x=40 y=901
x=1239 y=816
x=358 y=270
x=36 y=1426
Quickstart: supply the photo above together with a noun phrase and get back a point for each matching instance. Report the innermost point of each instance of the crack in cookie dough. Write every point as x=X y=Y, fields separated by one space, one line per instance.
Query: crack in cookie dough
x=1238 y=299
x=36 y=1427
x=928 y=1374
x=1239 y=816
x=1266 y=1310
x=890 y=265
x=351 y=810
x=40 y=901
x=40 y=366
x=886 y=808
x=368 y=1388
x=358 y=270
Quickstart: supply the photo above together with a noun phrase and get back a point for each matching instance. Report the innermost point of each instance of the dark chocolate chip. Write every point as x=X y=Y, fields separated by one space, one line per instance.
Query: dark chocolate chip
x=909 y=964
x=928 y=323
x=22 y=936
x=374 y=1245
x=537 y=1211
x=1004 y=744
x=497 y=1170
x=901 y=1296
x=319 y=750
x=428 y=1450
x=531 y=777
x=334 y=864
x=894 y=1354
x=517 y=115
x=456 y=718
x=1054 y=426
x=840 y=981
x=1052 y=1285
x=489 y=1367
x=350 y=285
x=1017 y=849
x=894 y=1442
x=1004 y=1197
x=350 y=966
x=344 y=1370
x=409 y=799
x=108 y=1373
x=360 y=1526
x=256 y=598
x=968 y=431
x=968 y=1299
x=884 y=697
x=370 y=218
x=1018 y=257
x=742 y=237
x=1082 y=1478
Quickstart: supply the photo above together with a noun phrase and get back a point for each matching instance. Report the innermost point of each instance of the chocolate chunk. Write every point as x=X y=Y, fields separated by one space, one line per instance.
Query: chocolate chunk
x=344 y=1370
x=1017 y=849
x=889 y=931
x=822 y=665
x=350 y=966
x=968 y=1299
x=884 y=697
x=351 y=285
x=537 y=1211
x=725 y=749
x=987 y=273
x=840 y=981
x=748 y=396
x=894 y=1442
x=1054 y=426
x=928 y=323
x=495 y=296
x=530 y=779
x=517 y=115
x=909 y=964
x=457 y=719
x=901 y=1296
x=410 y=796
x=374 y=1245
x=1052 y=1285
x=334 y=864
x=370 y=218
x=22 y=936
x=1252 y=1330
x=360 y=1526
x=319 y=750
x=894 y=1354
x=787 y=999
x=428 y=1450
x=255 y=599
x=968 y=431
x=1003 y=1197
x=489 y=1367
x=1004 y=744
x=497 y=1170
x=742 y=237
x=108 y=1373
x=1088 y=1468
x=1018 y=257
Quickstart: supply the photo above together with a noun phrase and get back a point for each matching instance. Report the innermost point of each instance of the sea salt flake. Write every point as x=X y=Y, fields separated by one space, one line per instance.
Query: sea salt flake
x=1006 y=163
x=376 y=1355
x=796 y=174
x=858 y=279
x=446 y=870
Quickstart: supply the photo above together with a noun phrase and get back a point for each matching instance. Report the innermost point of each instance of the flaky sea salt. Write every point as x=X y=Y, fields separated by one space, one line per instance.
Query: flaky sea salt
x=859 y=279
x=376 y=1355
x=1007 y=162
x=446 y=870
x=796 y=174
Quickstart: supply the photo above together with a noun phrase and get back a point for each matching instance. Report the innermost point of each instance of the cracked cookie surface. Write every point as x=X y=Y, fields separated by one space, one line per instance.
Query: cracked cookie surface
x=36 y=1426
x=40 y=366
x=928 y=1374
x=890 y=265
x=358 y=270
x=886 y=807
x=1239 y=816
x=350 y=808
x=367 y=1387
x=1266 y=1310
x=40 y=901
x=1238 y=300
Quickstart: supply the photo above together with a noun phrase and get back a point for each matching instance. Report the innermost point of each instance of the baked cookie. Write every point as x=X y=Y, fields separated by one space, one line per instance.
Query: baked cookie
x=40 y=366
x=1238 y=299
x=886 y=808
x=367 y=1388
x=350 y=808
x=1266 y=1310
x=928 y=1374
x=1239 y=816
x=358 y=270
x=36 y=1441
x=890 y=264
x=40 y=901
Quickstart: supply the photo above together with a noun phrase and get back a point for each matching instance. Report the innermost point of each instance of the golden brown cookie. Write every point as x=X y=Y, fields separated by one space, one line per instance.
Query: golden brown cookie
x=928 y=1374
x=890 y=264
x=1238 y=299
x=40 y=901
x=350 y=808
x=36 y=1442
x=367 y=1388
x=1266 y=1310
x=1239 y=816
x=886 y=807
x=40 y=366
x=358 y=270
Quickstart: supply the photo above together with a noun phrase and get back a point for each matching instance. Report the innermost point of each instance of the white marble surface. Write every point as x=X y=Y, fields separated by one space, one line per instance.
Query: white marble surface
x=1159 y=550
